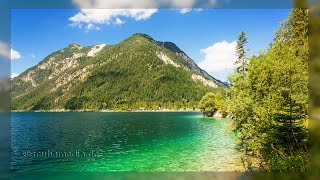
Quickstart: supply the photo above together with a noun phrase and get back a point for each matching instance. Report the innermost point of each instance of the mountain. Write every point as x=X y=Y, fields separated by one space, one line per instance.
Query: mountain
x=138 y=72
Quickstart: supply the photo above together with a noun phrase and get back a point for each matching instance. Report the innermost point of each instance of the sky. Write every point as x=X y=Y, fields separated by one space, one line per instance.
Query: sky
x=208 y=36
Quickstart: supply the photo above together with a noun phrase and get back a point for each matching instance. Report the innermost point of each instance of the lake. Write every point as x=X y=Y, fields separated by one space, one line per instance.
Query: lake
x=121 y=141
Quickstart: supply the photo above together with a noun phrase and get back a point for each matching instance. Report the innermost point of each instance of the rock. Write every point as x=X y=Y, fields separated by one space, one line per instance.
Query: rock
x=218 y=115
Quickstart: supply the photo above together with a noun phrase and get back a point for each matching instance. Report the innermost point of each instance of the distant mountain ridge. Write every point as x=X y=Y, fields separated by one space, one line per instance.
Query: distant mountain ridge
x=138 y=72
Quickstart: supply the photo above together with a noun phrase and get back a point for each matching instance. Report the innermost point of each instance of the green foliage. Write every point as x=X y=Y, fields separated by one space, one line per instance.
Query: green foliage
x=269 y=102
x=220 y=103
x=76 y=103
x=213 y=102
x=208 y=105
x=128 y=75
x=240 y=49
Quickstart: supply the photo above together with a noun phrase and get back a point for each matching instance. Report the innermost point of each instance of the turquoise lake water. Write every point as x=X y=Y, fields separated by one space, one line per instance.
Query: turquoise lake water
x=121 y=141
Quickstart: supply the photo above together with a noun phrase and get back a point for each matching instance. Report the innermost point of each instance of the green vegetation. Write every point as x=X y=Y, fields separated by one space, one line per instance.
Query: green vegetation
x=242 y=59
x=211 y=103
x=128 y=75
x=207 y=105
x=268 y=100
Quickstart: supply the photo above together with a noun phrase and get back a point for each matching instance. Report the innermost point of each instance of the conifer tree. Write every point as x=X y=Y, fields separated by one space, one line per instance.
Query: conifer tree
x=241 y=52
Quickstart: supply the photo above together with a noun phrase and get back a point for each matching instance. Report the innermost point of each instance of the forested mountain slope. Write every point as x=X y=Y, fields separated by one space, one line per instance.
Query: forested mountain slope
x=137 y=72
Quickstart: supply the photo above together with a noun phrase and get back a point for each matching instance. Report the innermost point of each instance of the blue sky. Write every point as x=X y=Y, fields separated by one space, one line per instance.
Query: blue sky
x=205 y=35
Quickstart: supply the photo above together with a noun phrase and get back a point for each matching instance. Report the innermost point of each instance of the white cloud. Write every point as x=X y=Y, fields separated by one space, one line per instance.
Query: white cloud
x=13 y=75
x=219 y=57
x=15 y=55
x=91 y=11
x=91 y=26
x=93 y=17
x=119 y=21
x=8 y=53
x=134 y=4
x=187 y=10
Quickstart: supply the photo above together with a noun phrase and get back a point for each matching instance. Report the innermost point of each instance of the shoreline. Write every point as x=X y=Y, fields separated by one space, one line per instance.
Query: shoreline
x=164 y=110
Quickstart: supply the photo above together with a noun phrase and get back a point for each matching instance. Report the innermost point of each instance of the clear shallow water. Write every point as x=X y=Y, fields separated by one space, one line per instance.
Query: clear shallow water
x=122 y=141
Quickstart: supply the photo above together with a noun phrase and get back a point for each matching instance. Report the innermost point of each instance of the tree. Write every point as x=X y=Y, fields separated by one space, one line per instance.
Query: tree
x=269 y=102
x=220 y=103
x=241 y=52
x=207 y=105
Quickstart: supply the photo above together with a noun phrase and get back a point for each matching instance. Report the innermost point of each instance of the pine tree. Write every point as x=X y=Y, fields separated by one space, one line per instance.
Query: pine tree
x=269 y=103
x=241 y=52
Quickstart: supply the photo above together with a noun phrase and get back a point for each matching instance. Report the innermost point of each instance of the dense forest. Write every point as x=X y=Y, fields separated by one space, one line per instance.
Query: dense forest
x=268 y=99
x=137 y=73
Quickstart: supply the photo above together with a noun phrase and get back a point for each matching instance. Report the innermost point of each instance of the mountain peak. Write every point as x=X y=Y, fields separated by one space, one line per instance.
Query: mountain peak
x=157 y=74
x=168 y=45
x=138 y=39
x=74 y=45
x=143 y=35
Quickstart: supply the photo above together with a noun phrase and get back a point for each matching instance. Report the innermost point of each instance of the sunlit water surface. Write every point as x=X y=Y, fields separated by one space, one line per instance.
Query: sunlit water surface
x=122 y=141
